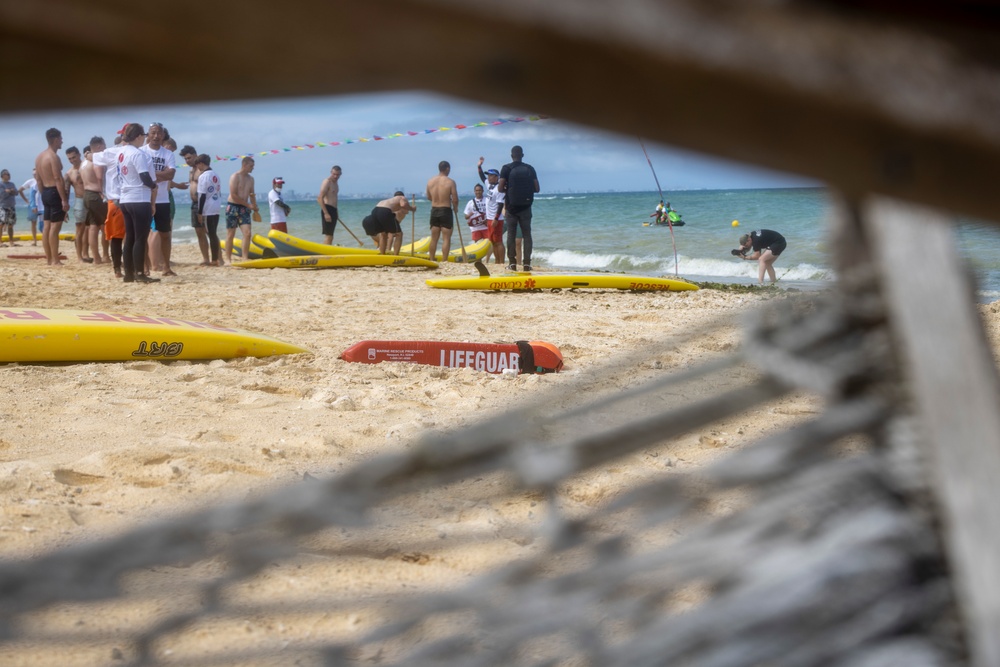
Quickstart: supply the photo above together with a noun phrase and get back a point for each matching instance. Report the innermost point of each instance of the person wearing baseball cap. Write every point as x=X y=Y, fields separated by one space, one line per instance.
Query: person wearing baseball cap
x=494 y=209
x=279 y=209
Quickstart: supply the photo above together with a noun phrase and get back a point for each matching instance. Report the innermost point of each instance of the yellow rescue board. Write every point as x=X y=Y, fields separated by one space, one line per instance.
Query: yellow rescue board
x=256 y=251
x=335 y=261
x=537 y=281
x=26 y=236
x=473 y=252
x=45 y=335
x=287 y=245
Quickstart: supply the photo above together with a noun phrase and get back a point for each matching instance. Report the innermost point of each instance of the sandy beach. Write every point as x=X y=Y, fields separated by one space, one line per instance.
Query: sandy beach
x=90 y=450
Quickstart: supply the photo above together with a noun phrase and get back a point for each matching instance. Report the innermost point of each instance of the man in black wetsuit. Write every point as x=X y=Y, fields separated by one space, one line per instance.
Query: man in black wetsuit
x=766 y=245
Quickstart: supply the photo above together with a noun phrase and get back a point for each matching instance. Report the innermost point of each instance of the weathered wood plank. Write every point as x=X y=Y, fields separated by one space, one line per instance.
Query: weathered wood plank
x=957 y=392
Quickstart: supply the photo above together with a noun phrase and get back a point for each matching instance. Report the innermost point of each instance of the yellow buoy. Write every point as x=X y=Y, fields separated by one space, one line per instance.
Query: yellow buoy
x=736 y=223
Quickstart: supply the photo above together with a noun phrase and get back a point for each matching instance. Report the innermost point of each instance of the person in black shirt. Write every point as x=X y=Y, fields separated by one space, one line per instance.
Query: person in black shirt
x=767 y=245
x=519 y=184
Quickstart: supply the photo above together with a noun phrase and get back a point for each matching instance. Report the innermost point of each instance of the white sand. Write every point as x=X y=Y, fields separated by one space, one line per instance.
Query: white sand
x=88 y=450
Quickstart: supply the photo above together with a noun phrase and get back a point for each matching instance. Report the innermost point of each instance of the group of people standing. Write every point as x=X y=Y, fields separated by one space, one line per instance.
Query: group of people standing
x=123 y=193
x=118 y=191
x=504 y=207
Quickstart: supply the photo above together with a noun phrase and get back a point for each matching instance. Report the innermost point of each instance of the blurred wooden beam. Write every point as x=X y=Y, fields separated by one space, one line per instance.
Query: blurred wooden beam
x=865 y=96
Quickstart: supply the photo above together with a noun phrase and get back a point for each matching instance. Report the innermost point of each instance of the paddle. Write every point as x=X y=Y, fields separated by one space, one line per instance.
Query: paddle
x=256 y=211
x=360 y=242
x=465 y=258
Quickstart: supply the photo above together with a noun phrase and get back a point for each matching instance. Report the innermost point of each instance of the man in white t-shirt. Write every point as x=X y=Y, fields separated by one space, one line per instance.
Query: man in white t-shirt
x=106 y=169
x=209 y=205
x=164 y=166
x=494 y=209
x=279 y=209
x=475 y=214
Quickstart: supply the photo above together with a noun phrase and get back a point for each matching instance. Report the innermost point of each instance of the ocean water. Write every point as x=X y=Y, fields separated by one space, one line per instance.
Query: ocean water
x=605 y=232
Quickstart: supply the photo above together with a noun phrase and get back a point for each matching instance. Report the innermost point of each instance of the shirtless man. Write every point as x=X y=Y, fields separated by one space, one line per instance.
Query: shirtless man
x=190 y=156
x=55 y=197
x=93 y=203
x=443 y=195
x=73 y=180
x=386 y=216
x=327 y=201
x=241 y=202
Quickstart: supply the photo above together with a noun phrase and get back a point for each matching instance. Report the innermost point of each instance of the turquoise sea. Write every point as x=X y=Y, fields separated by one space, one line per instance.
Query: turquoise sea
x=605 y=232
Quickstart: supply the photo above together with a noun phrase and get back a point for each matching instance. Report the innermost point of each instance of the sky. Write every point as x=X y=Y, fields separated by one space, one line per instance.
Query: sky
x=566 y=156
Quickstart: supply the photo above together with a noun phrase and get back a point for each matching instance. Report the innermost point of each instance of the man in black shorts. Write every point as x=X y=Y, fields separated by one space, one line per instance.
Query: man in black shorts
x=384 y=222
x=55 y=197
x=443 y=195
x=329 y=191
x=766 y=245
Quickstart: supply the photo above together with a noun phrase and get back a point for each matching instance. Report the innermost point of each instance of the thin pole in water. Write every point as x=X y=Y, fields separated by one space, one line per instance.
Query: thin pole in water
x=660 y=190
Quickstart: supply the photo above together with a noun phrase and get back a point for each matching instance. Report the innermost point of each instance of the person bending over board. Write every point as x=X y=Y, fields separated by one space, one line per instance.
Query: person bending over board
x=766 y=245
x=385 y=218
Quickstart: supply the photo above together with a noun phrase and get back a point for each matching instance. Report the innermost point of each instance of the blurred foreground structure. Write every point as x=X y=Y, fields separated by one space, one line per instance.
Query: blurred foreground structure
x=884 y=556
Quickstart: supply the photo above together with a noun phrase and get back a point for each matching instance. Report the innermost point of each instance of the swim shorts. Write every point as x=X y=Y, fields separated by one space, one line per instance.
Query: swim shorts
x=479 y=234
x=53 y=205
x=8 y=216
x=280 y=227
x=161 y=219
x=237 y=215
x=778 y=247
x=79 y=211
x=97 y=209
x=371 y=227
x=441 y=216
x=496 y=231
x=194 y=216
x=329 y=227
x=386 y=220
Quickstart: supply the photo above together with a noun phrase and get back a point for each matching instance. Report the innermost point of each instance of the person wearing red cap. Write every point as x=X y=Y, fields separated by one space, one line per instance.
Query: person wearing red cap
x=279 y=209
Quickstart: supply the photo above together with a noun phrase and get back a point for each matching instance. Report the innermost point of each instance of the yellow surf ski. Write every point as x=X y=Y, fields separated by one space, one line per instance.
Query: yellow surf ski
x=539 y=281
x=45 y=335
x=335 y=261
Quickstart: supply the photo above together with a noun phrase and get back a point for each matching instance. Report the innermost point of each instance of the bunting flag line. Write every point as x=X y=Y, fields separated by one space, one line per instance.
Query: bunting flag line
x=377 y=137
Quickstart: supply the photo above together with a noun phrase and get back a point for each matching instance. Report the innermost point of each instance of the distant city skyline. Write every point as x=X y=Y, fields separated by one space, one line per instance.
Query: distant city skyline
x=568 y=157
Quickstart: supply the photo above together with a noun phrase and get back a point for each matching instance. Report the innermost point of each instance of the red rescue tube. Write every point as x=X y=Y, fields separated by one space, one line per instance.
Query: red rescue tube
x=523 y=356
